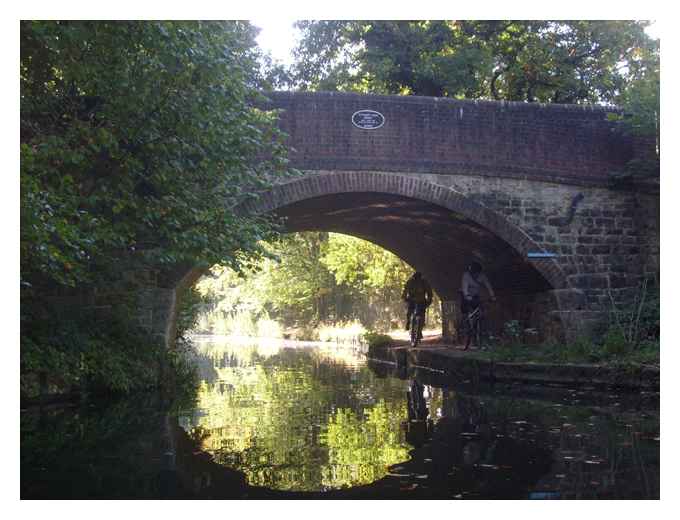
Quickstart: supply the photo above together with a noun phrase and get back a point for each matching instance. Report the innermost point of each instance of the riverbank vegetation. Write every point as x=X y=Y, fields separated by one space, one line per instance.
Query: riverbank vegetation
x=632 y=337
x=137 y=141
x=311 y=286
x=580 y=351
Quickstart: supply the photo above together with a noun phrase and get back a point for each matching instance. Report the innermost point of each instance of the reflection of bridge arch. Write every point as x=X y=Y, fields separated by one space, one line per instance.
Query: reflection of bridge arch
x=420 y=221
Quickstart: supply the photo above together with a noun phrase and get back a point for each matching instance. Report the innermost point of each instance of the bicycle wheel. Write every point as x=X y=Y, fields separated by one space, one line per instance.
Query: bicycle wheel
x=471 y=328
x=467 y=328
x=415 y=329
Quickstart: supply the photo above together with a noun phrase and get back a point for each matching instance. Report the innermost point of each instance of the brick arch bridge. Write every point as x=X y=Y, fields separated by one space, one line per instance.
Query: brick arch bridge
x=441 y=181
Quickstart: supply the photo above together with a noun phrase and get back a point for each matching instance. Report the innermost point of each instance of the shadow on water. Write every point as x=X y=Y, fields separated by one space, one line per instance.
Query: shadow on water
x=559 y=442
x=309 y=423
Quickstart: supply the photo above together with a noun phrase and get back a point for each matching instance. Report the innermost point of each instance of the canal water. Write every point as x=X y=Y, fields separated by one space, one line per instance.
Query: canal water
x=293 y=420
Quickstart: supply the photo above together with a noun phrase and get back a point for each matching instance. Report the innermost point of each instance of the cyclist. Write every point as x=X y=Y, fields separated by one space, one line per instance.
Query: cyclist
x=418 y=295
x=418 y=426
x=473 y=279
x=417 y=406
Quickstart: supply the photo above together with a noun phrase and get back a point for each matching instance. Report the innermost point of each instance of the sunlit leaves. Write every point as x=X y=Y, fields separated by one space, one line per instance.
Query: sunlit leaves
x=539 y=60
x=363 y=265
x=359 y=448
x=138 y=140
x=311 y=278
x=147 y=129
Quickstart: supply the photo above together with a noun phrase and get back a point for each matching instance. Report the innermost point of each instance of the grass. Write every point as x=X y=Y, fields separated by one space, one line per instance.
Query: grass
x=582 y=351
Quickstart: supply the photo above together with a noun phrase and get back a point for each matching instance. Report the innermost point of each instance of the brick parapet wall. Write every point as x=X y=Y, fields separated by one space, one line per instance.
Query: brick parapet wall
x=567 y=143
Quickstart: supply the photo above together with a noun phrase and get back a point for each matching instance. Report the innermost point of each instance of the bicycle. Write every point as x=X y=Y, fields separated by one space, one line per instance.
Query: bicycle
x=417 y=322
x=472 y=325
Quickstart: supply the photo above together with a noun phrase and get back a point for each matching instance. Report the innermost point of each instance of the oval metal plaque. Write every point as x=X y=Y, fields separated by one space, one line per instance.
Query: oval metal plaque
x=368 y=119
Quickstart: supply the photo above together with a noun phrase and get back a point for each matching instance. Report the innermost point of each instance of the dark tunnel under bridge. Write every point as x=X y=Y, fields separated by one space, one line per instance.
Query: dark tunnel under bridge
x=436 y=240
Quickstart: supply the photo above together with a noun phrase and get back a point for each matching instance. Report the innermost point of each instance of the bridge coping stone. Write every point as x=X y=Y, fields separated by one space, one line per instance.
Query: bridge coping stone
x=430 y=100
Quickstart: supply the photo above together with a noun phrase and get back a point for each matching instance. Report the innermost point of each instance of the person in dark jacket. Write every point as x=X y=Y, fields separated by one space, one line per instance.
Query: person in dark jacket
x=418 y=295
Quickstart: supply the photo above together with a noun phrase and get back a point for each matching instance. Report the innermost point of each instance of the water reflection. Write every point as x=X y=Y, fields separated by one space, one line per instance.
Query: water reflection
x=109 y=451
x=279 y=422
x=302 y=419
x=418 y=427
x=494 y=442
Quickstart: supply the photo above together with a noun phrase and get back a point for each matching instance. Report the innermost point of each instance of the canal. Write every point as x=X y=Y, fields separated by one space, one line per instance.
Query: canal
x=284 y=419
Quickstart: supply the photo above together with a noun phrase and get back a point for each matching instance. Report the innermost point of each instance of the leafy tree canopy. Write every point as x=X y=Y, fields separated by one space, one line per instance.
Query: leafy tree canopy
x=540 y=60
x=363 y=266
x=137 y=140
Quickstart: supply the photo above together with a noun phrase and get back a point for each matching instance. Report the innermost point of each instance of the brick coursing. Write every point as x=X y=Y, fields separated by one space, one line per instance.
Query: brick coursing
x=575 y=143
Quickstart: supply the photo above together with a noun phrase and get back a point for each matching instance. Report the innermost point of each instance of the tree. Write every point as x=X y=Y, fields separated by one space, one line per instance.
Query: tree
x=291 y=285
x=137 y=140
x=541 y=60
x=363 y=265
x=641 y=117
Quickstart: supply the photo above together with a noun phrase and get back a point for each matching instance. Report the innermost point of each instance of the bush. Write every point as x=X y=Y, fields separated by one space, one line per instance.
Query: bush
x=638 y=320
x=512 y=331
x=101 y=353
x=306 y=333
x=647 y=353
x=615 y=342
x=375 y=339
x=268 y=328
x=348 y=332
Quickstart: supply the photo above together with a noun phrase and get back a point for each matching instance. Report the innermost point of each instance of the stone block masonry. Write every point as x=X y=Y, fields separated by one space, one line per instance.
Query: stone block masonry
x=606 y=240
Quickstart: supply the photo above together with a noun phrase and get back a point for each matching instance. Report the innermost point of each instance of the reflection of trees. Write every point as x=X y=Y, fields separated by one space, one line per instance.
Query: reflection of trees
x=307 y=420
x=360 y=448
x=111 y=451
x=299 y=420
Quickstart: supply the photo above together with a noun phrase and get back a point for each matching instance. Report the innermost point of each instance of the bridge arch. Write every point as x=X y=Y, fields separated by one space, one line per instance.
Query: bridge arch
x=284 y=199
x=445 y=179
x=435 y=229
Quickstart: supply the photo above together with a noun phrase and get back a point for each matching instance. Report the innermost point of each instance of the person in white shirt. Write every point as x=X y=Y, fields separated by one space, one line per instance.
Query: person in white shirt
x=471 y=284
